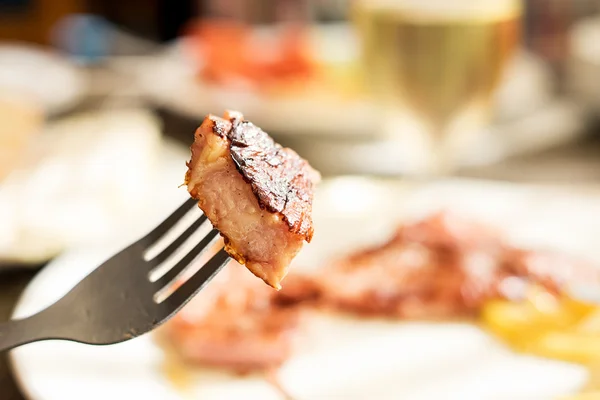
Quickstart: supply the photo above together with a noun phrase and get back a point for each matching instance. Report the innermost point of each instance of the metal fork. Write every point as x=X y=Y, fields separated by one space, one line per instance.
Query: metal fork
x=119 y=300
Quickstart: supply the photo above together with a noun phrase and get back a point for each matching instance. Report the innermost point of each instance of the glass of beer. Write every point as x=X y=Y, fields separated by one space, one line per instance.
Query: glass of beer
x=436 y=64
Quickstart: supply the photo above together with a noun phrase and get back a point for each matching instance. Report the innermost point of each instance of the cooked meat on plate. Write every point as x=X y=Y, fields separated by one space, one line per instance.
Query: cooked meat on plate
x=440 y=267
x=257 y=193
x=443 y=266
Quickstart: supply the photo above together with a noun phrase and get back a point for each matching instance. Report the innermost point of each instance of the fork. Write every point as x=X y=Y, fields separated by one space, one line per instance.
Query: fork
x=120 y=299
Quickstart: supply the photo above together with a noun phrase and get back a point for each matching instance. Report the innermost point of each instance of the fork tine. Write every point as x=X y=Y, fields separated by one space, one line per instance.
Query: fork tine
x=170 y=249
x=171 y=220
x=185 y=292
x=171 y=274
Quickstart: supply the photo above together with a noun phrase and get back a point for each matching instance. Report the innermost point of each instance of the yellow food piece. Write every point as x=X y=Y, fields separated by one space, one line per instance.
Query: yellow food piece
x=582 y=396
x=561 y=328
x=569 y=346
x=591 y=323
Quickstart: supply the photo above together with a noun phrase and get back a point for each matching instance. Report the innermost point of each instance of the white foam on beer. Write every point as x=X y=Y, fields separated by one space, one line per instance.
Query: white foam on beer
x=448 y=9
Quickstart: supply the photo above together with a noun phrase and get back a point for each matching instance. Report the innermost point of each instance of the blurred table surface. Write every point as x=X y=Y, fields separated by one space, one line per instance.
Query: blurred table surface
x=578 y=163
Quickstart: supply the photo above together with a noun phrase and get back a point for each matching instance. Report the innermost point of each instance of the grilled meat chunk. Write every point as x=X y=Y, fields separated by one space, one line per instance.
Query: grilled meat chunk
x=255 y=192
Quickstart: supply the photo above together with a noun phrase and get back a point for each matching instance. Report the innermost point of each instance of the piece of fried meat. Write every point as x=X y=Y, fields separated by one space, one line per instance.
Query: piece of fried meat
x=257 y=193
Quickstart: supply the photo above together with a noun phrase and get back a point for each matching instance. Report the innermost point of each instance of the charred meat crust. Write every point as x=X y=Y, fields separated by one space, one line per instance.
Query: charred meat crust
x=281 y=180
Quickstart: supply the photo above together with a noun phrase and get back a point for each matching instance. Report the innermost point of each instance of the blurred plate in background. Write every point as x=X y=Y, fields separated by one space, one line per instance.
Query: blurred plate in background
x=89 y=178
x=335 y=125
x=53 y=81
x=558 y=123
x=171 y=80
x=342 y=357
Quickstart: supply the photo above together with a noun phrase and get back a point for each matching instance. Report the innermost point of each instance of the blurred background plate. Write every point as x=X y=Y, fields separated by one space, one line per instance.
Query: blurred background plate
x=170 y=80
x=341 y=358
x=101 y=173
x=340 y=127
x=54 y=81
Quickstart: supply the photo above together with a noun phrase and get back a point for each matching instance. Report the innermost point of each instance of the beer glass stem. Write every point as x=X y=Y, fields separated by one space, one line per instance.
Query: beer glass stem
x=440 y=156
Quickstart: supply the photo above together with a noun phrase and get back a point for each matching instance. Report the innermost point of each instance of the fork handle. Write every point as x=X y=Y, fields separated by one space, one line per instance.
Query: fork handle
x=18 y=332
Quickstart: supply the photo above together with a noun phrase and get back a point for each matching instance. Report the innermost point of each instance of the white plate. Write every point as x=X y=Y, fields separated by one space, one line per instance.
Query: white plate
x=170 y=80
x=527 y=116
x=341 y=358
x=92 y=195
x=52 y=80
